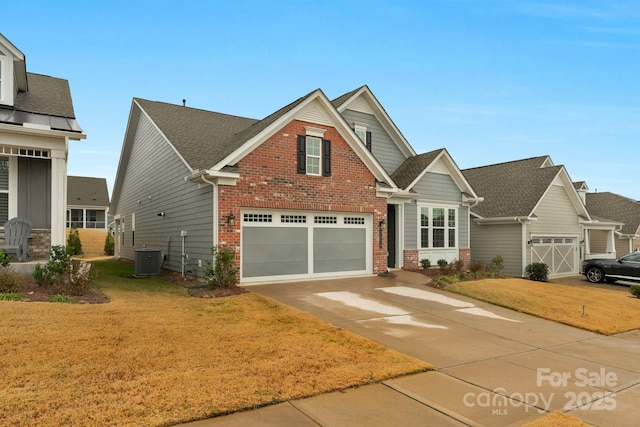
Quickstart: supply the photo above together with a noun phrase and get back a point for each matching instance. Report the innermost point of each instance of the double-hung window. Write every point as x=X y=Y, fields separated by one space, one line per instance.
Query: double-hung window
x=438 y=227
x=314 y=155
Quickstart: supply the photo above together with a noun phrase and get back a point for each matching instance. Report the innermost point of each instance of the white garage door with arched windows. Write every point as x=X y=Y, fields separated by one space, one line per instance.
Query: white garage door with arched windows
x=285 y=245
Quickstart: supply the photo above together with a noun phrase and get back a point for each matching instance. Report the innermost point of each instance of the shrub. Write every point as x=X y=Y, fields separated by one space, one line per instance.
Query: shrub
x=442 y=263
x=222 y=272
x=74 y=245
x=497 y=265
x=476 y=268
x=109 y=243
x=10 y=280
x=425 y=263
x=458 y=265
x=443 y=281
x=635 y=290
x=538 y=271
x=72 y=277
x=4 y=259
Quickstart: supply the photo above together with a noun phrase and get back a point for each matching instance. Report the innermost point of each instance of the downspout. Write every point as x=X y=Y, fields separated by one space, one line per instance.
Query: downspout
x=215 y=209
x=523 y=239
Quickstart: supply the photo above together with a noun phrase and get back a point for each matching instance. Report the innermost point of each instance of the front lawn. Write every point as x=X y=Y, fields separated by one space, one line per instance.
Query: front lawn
x=155 y=356
x=607 y=312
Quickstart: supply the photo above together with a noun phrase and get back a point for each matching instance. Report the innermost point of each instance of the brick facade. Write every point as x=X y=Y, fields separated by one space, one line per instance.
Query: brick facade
x=269 y=179
x=410 y=260
x=465 y=255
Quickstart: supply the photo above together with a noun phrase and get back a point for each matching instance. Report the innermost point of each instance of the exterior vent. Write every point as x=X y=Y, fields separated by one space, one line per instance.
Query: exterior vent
x=147 y=262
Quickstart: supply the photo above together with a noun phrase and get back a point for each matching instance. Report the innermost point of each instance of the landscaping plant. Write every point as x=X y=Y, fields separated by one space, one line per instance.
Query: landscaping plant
x=538 y=271
x=476 y=268
x=223 y=271
x=497 y=265
x=109 y=243
x=442 y=263
x=74 y=245
x=71 y=276
x=635 y=290
x=10 y=280
x=425 y=263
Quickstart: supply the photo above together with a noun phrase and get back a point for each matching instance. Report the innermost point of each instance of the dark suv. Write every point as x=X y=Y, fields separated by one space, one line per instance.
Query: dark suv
x=623 y=268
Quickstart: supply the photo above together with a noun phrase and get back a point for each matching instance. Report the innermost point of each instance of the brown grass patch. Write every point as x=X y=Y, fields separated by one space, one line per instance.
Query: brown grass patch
x=154 y=356
x=608 y=312
x=556 y=419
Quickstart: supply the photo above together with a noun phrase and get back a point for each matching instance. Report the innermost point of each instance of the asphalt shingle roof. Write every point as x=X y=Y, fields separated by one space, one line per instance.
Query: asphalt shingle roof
x=510 y=189
x=409 y=170
x=615 y=207
x=46 y=95
x=203 y=138
x=85 y=191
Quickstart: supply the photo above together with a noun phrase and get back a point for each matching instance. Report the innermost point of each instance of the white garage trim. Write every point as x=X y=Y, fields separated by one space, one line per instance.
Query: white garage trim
x=559 y=252
x=281 y=245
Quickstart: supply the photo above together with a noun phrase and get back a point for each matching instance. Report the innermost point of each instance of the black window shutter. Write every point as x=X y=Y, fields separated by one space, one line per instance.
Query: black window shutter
x=368 y=143
x=326 y=157
x=302 y=154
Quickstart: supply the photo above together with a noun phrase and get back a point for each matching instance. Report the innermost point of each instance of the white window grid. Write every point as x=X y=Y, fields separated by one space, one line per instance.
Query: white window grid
x=325 y=219
x=256 y=217
x=293 y=219
x=354 y=220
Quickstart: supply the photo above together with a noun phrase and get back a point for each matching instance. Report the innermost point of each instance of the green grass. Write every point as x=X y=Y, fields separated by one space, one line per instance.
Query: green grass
x=11 y=297
x=62 y=298
x=118 y=277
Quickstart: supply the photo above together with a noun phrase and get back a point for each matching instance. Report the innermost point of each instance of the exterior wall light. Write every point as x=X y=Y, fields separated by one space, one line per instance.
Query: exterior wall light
x=231 y=219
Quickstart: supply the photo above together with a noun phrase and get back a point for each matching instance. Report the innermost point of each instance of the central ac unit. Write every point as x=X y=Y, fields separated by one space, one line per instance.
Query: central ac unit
x=147 y=262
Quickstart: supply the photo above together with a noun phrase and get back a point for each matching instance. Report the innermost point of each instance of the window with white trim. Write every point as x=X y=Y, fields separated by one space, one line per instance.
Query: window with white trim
x=361 y=131
x=437 y=227
x=313 y=155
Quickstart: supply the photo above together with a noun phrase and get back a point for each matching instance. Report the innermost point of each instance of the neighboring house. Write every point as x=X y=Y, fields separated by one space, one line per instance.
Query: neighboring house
x=306 y=192
x=531 y=213
x=87 y=202
x=620 y=209
x=428 y=217
x=36 y=123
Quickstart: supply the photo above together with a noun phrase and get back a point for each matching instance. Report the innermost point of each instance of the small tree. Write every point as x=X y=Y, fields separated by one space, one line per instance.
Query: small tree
x=497 y=265
x=109 y=243
x=222 y=272
x=74 y=245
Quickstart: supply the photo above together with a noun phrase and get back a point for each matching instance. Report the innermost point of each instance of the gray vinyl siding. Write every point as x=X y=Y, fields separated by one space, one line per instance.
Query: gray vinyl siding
x=435 y=187
x=153 y=182
x=382 y=146
x=556 y=215
x=488 y=241
x=34 y=191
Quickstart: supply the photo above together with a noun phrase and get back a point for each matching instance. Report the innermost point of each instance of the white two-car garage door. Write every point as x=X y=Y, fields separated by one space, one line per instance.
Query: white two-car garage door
x=558 y=252
x=279 y=245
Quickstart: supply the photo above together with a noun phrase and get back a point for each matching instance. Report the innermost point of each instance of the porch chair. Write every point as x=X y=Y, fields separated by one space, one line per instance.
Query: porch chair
x=17 y=232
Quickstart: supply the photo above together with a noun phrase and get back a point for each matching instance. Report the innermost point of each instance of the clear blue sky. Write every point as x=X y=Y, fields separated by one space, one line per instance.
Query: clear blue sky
x=491 y=81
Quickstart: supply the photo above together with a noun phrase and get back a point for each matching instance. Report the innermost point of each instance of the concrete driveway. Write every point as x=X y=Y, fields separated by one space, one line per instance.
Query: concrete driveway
x=495 y=367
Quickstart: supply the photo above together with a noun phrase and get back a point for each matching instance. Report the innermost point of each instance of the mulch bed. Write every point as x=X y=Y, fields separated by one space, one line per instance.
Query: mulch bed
x=33 y=292
x=197 y=286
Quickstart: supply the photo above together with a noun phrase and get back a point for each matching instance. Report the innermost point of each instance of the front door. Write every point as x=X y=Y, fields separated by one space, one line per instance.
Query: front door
x=391 y=236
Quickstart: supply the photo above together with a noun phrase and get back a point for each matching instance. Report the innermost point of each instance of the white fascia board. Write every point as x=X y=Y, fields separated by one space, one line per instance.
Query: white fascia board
x=339 y=123
x=505 y=220
x=41 y=131
x=210 y=176
x=163 y=136
x=454 y=173
x=384 y=119
x=574 y=197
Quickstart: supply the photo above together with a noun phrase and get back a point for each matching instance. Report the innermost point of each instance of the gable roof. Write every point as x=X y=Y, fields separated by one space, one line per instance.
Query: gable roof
x=615 y=207
x=86 y=191
x=343 y=103
x=201 y=137
x=514 y=189
x=46 y=95
x=411 y=168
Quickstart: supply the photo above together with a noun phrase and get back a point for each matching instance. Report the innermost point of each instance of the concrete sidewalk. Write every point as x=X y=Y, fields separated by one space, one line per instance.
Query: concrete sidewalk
x=496 y=367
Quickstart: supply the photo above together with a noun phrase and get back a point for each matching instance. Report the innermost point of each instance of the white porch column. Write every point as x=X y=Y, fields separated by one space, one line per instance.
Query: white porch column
x=611 y=242
x=58 y=196
x=587 y=244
